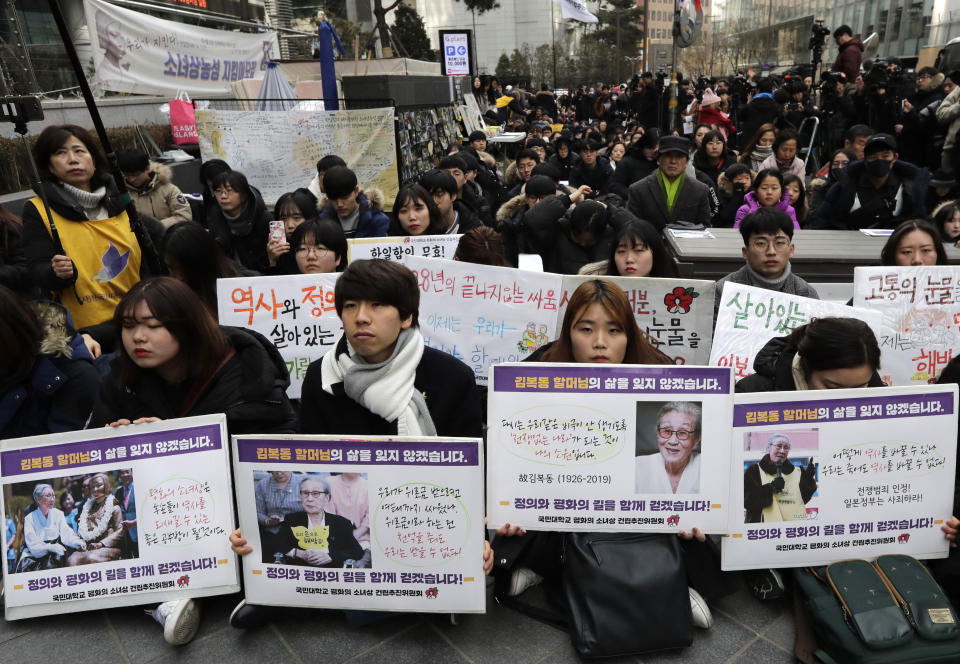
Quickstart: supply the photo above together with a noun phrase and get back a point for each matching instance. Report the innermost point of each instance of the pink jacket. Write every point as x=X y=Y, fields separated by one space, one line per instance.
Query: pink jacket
x=750 y=204
x=796 y=168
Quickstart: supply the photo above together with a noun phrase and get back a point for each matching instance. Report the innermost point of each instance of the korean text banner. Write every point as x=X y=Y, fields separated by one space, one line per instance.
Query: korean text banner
x=618 y=448
x=278 y=150
x=379 y=523
x=485 y=315
x=825 y=475
x=138 y=53
x=398 y=248
x=920 y=307
x=296 y=313
x=675 y=313
x=750 y=317
x=155 y=527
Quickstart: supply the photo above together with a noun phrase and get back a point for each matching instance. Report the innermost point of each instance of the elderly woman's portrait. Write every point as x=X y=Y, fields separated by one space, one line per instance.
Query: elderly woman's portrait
x=65 y=521
x=320 y=533
x=668 y=446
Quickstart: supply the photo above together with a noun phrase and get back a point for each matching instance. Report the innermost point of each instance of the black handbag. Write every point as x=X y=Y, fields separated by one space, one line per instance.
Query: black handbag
x=626 y=593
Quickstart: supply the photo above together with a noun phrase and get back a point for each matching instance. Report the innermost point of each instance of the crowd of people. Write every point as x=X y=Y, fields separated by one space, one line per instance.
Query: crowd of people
x=112 y=323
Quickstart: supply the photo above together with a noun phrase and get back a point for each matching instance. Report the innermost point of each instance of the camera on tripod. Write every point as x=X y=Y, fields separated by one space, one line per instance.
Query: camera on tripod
x=818 y=35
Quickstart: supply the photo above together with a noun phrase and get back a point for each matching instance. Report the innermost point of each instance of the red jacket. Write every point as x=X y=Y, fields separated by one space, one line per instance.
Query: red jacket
x=712 y=116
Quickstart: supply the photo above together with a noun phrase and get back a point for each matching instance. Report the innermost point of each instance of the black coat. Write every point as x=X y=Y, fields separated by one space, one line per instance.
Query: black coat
x=774 y=369
x=14 y=271
x=759 y=111
x=468 y=218
x=447 y=385
x=250 y=248
x=250 y=389
x=632 y=168
x=694 y=203
x=341 y=544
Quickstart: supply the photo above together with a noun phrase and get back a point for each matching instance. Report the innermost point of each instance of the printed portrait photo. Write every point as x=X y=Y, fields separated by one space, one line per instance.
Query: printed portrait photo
x=780 y=475
x=668 y=446
x=313 y=519
x=70 y=520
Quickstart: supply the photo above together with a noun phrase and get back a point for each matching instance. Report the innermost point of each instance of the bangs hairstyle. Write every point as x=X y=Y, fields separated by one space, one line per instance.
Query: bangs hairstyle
x=639 y=234
x=614 y=300
x=800 y=207
x=53 y=138
x=888 y=256
x=761 y=130
x=379 y=280
x=943 y=214
x=481 y=245
x=324 y=231
x=20 y=336
x=182 y=312
x=236 y=181
x=301 y=199
x=709 y=137
x=409 y=194
x=830 y=343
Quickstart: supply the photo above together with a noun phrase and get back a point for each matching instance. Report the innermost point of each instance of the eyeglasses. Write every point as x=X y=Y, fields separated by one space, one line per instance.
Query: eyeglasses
x=312 y=249
x=666 y=433
x=762 y=244
x=313 y=494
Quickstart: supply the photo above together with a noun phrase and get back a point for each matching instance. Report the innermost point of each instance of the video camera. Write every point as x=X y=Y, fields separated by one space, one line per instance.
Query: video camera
x=818 y=35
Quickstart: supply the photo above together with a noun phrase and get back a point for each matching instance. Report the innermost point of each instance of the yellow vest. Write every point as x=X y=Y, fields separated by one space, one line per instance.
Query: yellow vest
x=107 y=257
x=787 y=505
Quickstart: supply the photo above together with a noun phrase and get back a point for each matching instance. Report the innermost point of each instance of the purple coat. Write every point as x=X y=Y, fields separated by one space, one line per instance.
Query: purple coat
x=750 y=204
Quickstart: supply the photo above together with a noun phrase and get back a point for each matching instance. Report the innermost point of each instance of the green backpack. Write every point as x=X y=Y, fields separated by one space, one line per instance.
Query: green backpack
x=891 y=611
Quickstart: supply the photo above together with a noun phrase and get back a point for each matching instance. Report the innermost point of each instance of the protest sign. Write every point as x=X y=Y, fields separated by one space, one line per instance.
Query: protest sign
x=278 y=150
x=675 y=313
x=384 y=524
x=485 y=315
x=750 y=317
x=920 y=310
x=588 y=447
x=861 y=473
x=138 y=53
x=397 y=248
x=296 y=312
x=154 y=529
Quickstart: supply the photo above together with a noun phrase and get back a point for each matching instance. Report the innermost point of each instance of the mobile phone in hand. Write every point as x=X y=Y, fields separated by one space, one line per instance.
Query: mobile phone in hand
x=277 y=231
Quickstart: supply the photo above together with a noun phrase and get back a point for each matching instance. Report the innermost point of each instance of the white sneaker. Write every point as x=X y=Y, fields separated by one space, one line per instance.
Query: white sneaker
x=522 y=580
x=702 y=617
x=180 y=619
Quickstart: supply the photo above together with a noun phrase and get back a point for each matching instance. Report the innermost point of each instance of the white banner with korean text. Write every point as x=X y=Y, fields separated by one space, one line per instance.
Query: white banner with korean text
x=750 y=317
x=385 y=524
x=587 y=447
x=826 y=475
x=296 y=313
x=397 y=248
x=138 y=53
x=124 y=516
x=920 y=310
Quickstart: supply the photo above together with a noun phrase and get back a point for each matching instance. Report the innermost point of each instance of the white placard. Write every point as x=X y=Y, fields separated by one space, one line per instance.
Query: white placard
x=402 y=527
x=749 y=317
x=138 y=53
x=580 y=447
x=920 y=310
x=675 y=313
x=865 y=472
x=485 y=315
x=278 y=150
x=397 y=248
x=296 y=312
x=160 y=533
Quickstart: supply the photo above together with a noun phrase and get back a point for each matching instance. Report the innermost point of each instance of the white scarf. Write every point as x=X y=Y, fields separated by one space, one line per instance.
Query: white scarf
x=386 y=388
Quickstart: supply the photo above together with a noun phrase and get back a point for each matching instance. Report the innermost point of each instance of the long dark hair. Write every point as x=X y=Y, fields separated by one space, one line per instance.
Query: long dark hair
x=640 y=234
x=20 y=337
x=761 y=130
x=183 y=313
x=199 y=259
x=830 y=343
x=943 y=214
x=412 y=192
x=888 y=255
x=801 y=206
x=711 y=135
x=614 y=300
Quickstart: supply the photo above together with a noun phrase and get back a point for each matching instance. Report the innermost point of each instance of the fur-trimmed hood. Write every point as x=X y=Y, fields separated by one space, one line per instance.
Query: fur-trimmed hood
x=161 y=175
x=512 y=176
x=55 y=327
x=487 y=159
x=933 y=83
x=726 y=186
x=374 y=198
x=511 y=207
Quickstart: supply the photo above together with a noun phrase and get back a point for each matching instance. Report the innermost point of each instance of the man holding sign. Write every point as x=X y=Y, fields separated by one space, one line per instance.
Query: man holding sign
x=776 y=490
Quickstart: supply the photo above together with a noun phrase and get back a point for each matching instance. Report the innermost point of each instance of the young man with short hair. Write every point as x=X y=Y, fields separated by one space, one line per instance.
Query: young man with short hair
x=360 y=213
x=767 y=249
x=152 y=188
x=526 y=160
x=593 y=170
x=478 y=141
x=324 y=164
x=457 y=217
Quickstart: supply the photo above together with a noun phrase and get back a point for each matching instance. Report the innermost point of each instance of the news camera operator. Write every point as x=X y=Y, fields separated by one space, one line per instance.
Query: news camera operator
x=921 y=136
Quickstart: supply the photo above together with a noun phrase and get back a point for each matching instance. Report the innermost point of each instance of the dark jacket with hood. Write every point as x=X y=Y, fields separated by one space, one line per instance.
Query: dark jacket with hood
x=632 y=168
x=759 y=111
x=876 y=210
x=702 y=164
x=731 y=199
x=447 y=385
x=373 y=221
x=60 y=390
x=849 y=59
x=564 y=164
x=14 y=268
x=244 y=238
x=774 y=369
x=250 y=389
x=923 y=137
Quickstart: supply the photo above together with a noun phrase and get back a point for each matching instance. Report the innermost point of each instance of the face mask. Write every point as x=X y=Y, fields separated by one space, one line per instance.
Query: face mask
x=878 y=168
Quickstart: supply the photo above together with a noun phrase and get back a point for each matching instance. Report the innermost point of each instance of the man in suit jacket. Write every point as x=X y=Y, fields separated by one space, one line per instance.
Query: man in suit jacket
x=668 y=195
